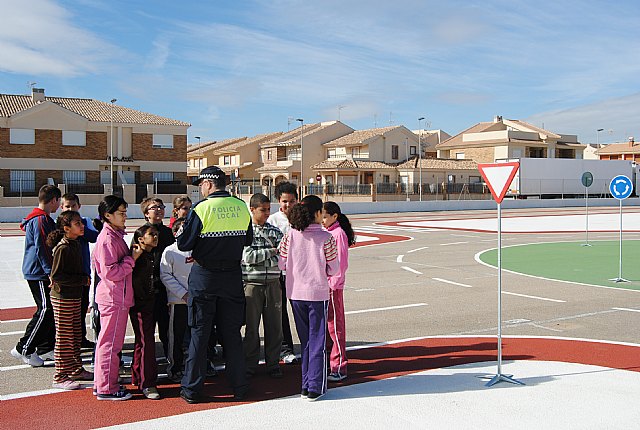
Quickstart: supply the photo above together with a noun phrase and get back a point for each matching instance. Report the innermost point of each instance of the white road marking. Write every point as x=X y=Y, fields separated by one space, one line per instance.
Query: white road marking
x=363 y=289
x=399 y=259
x=19 y=366
x=453 y=243
x=12 y=333
x=409 y=269
x=464 y=235
x=417 y=249
x=534 y=297
x=14 y=321
x=385 y=309
x=452 y=283
x=627 y=309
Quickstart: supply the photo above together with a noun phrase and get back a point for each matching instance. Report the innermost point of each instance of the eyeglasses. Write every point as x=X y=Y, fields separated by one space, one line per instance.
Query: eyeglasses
x=157 y=207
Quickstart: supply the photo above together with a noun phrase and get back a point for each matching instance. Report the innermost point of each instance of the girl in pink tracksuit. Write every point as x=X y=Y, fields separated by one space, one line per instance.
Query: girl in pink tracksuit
x=340 y=228
x=308 y=253
x=114 y=263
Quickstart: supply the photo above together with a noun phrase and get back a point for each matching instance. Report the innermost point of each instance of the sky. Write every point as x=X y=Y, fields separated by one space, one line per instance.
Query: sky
x=242 y=68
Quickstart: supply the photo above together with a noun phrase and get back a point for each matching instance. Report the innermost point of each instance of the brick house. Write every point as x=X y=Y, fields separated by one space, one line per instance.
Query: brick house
x=486 y=142
x=70 y=140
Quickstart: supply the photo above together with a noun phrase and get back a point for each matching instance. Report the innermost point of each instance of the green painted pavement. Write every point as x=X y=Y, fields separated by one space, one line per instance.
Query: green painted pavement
x=569 y=261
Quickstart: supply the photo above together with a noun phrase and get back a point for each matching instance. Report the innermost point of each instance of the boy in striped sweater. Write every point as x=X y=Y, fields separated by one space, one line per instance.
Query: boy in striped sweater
x=261 y=277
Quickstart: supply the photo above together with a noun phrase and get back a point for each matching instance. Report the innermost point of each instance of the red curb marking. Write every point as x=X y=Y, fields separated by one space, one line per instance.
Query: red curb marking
x=17 y=313
x=79 y=409
x=477 y=230
x=382 y=238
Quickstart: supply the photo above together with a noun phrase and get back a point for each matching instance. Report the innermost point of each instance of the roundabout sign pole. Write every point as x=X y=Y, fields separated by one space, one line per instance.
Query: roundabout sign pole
x=620 y=188
x=587 y=180
x=498 y=177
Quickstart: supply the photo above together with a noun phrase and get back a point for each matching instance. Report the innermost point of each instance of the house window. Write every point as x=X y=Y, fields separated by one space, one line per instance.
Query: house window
x=22 y=136
x=475 y=179
x=293 y=154
x=74 y=177
x=331 y=153
x=162 y=176
x=74 y=138
x=269 y=155
x=355 y=152
x=386 y=179
x=413 y=150
x=459 y=155
x=163 y=141
x=227 y=160
x=22 y=181
x=394 y=152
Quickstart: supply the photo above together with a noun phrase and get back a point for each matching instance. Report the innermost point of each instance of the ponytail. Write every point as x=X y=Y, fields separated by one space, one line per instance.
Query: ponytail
x=64 y=220
x=333 y=208
x=303 y=214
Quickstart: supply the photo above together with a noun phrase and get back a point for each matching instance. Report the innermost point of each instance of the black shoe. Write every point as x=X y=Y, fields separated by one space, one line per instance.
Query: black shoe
x=240 y=393
x=276 y=373
x=304 y=393
x=313 y=396
x=197 y=398
x=87 y=344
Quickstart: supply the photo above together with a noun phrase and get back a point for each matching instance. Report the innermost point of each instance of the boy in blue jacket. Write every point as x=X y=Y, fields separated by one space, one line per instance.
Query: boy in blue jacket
x=71 y=202
x=39 y=337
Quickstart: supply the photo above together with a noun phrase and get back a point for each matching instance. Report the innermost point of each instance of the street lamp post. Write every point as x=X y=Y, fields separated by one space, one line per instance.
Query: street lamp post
x=111 y=151
x=406 y=155
x=420 y=155
x=199 y=153
x=598 y=137
x=301 y=120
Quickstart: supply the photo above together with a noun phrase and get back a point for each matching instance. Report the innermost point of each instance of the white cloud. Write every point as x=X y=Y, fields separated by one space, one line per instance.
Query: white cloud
x=40 y=38
x=618 y=114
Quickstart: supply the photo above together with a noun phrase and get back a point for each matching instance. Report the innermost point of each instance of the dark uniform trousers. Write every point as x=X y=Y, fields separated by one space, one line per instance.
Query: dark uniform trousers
x=215 y=297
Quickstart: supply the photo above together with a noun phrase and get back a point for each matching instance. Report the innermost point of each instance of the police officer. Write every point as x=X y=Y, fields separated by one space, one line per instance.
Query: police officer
x=216 y=231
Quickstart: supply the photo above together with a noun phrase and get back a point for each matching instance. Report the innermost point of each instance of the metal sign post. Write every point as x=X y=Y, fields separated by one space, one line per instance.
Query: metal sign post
x=498 y=178
x=587 y=180
x=620 y=187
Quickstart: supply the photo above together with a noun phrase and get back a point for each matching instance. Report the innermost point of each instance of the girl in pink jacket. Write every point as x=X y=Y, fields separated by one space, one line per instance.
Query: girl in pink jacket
x=308 y=253
x=340 y=228
x=114 y=263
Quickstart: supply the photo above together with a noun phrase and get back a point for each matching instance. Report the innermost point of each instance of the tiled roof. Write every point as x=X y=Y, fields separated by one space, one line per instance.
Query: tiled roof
x=93 y=110
x=255 y=140
x=208 y=146
x=439 y=164
x=619 y=148
x=348 y=163
x=457 y=140
x=359 y=136
x=292 y=136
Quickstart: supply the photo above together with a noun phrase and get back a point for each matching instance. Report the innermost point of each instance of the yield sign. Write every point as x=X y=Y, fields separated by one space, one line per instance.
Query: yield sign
x=498 y=177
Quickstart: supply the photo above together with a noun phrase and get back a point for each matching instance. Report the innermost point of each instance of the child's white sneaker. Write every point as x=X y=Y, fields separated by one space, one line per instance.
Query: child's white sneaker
x=32 y=360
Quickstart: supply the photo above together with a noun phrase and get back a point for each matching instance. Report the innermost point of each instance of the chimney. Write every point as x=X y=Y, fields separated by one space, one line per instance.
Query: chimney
x=497 y=119
x=631 y=142
x=37 y=95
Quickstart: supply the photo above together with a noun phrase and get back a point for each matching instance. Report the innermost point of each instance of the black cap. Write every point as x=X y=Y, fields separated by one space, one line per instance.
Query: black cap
x=211 y=172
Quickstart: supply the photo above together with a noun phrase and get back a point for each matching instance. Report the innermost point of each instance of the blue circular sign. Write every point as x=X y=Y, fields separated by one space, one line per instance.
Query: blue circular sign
x=620 y=187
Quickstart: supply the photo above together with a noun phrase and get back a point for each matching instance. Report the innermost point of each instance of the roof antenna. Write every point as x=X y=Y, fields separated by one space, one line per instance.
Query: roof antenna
x=30 y=85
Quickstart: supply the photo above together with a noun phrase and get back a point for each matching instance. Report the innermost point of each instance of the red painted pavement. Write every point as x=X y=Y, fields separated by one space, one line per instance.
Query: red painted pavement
x=79 y=409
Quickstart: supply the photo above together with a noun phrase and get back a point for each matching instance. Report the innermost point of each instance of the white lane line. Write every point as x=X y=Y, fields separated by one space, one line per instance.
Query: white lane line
x=451 y=282
x=409 y=269
x=30 y=394
x=15 y=321
x=390 y=308
x=363 y=289
x=417 y=249
x=534 y=297
x=19 y=366
x=453 y=243
x=11 y=333
x=627 y=309
x=399 y=259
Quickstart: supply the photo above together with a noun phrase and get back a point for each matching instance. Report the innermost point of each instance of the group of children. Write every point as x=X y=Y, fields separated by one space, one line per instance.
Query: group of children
x=292 y=259
x=303 y=250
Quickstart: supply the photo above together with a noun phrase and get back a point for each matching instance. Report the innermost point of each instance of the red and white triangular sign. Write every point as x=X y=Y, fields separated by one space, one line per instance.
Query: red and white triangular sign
x=498 y=177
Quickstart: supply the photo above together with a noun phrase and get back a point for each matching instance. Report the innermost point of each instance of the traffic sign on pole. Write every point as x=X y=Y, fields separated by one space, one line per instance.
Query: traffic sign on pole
x=498 y=177
x=620 y=187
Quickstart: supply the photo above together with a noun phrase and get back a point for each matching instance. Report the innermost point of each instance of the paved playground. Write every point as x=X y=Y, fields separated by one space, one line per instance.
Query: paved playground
x=421 y=321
